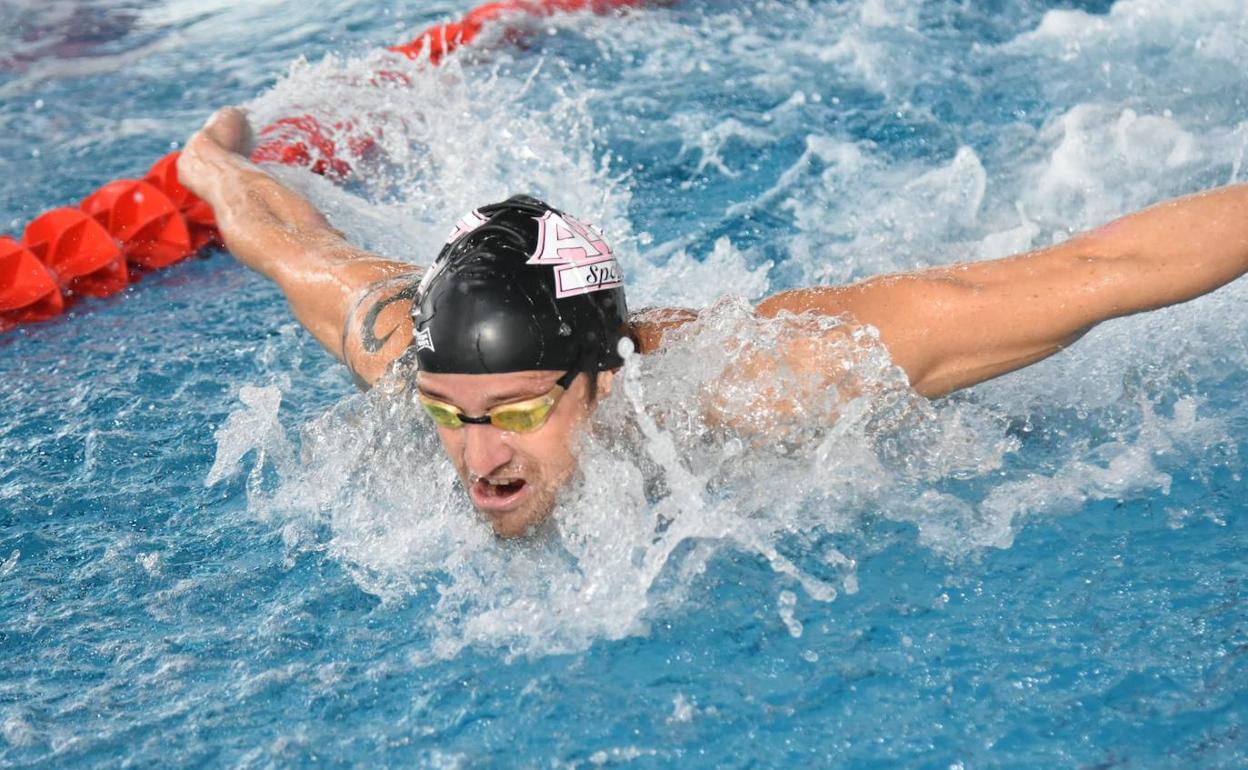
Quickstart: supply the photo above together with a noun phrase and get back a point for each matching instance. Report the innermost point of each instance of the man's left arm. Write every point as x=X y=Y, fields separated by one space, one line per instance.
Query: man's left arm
x=953 y=327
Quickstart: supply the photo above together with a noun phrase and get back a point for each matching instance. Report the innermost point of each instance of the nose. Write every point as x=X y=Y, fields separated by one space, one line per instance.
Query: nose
x=484 y=449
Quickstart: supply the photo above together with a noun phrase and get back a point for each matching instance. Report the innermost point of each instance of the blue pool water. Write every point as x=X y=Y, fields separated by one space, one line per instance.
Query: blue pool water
x=215 y=553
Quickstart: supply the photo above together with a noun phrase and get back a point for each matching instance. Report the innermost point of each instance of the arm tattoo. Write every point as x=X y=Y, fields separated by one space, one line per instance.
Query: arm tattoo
x=369 y=339
x=370 y=343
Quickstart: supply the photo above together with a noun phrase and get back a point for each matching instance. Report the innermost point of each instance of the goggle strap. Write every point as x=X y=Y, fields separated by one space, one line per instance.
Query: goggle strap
x=583 y=364
x=568 y=378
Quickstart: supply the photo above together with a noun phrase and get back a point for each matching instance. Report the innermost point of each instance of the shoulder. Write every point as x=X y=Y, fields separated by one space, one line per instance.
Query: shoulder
x=648 y=325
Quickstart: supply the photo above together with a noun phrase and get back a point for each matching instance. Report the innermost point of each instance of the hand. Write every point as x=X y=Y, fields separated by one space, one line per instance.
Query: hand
x=225 y=139
x=228 y=128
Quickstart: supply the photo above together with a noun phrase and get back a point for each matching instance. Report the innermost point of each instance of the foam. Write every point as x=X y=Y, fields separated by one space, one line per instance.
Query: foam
x=709 y=140
x=253 y=427
x=685 y=280
x=452 y=140
x=1132 y=25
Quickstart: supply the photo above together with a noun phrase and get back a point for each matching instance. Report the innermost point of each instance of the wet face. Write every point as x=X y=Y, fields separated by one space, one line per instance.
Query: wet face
x=512 y=478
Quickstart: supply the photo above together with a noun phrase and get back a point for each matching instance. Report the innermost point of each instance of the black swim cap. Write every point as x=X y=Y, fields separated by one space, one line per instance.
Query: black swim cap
x=520 y=286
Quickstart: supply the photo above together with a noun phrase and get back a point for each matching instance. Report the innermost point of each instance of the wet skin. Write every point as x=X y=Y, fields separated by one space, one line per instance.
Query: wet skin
x=513 y=479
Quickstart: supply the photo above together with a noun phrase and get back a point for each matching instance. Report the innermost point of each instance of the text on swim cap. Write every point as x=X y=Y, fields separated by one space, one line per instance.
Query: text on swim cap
x=580 y=256
x=424 y=340
x=582 y=279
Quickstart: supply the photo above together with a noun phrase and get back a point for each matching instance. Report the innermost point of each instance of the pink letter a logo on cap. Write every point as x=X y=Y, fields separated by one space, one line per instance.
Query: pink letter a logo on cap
x=582 y=260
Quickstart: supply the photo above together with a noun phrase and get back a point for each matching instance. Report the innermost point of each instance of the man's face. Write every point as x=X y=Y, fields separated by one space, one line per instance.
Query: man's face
x=511 y=478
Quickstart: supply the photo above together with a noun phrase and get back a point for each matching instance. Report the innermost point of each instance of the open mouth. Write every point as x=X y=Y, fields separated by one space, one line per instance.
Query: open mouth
x=497 y=494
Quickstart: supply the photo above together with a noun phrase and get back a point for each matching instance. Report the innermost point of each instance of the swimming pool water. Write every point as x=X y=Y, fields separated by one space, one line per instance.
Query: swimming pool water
x=214 y=553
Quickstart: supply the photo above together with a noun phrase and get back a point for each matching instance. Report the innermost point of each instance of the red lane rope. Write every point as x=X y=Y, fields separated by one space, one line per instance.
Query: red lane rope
x=132 y=226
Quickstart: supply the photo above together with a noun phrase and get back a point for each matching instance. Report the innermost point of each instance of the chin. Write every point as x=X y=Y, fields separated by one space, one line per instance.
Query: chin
x=514 y=524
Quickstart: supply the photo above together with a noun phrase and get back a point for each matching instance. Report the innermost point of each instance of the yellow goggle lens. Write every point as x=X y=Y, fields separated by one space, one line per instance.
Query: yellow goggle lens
x=522 y=417
x=443 y=414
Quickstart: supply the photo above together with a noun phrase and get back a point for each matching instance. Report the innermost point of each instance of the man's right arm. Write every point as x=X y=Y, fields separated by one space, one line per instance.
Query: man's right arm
x=357 y=305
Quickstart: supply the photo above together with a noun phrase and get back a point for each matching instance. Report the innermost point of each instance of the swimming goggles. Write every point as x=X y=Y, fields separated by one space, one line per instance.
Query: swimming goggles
x=517 y=417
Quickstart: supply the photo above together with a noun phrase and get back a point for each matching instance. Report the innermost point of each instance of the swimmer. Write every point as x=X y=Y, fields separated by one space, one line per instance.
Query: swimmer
x=515 y=328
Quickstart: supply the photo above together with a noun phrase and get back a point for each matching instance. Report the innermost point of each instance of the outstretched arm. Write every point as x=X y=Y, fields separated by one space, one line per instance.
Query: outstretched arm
x=953 y=327
x=357 y=305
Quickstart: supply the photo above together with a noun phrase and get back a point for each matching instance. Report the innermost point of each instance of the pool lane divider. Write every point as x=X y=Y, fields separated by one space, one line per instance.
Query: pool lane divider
x=134 y=226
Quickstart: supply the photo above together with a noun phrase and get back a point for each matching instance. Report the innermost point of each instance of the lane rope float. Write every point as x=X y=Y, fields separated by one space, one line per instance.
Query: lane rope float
x=132 y=226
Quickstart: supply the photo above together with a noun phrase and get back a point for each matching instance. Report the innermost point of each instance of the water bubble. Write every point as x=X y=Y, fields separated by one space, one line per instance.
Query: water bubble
x=787 y=603
x=625 y=347
x=682 y=709
x=150 y=562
